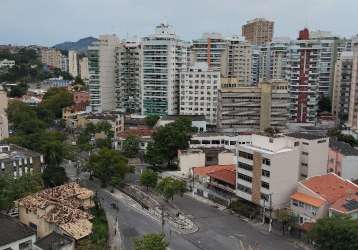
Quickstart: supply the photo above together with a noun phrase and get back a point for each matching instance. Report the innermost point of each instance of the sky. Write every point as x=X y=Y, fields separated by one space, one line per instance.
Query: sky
x=48 y=22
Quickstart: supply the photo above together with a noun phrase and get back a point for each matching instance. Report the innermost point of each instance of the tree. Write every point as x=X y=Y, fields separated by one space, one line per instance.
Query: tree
x=54 y=176
x=337 y=134
x=167 y=141
x=151 y=242
x=151 y=120
x=335 y=233
x=131 y=146
x=287 y=219
x=55 y=100
x=168 y=187
x=149 y=178
x=324 y=104
x=271 y=131
x=108 y=163
x=18 y=90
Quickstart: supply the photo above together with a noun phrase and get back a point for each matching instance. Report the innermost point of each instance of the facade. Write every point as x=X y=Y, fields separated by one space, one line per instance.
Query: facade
x=253 y=108
x=73 y=63
x=199 y=90
x=342 y=87
x=64 y=63
x=164 y=56
x=263 y=175
x=62 y=209
x=101 y=67
x=343 y=160
x=198 y=122
x=15 y=235
x=84 y=69
x=16 y=160
x=129 y=77
x=55 y=241
x=189 y=159
x=318 y=197
x=51 y=57
x=258 y=31
x=353 y=100
x=4 y=123
x=210 y=49
x=7 y=63
x=303 y=78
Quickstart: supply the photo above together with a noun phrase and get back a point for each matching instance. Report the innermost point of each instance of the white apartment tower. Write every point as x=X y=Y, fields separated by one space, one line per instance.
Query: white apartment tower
x=164 y=56
x=73 y=63
x=4 y=125
x=101 y=67
x=129 y=77
x=84 y=69
x=353 y=101
x=199 y=88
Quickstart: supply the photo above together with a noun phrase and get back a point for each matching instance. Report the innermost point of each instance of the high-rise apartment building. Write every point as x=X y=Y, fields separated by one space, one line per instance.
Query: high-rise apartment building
x=258 y=31
x=303 y=75
x=4 y=125
x=51 y=57
x=129 y=77
x=199 y=88
x=164 y=56
x=342 y=87
x=101 y=67
x=210 y=48
x=84 y=69
x=73 y=66
x=353 y=100
x=253 y=108
x=64 y=63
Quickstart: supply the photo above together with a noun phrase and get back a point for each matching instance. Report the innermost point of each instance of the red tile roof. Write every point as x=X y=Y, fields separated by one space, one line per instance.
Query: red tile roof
x=341 y=204
x=137 y=131
x=307 y=199
x=330 y=186
x=204 y=171
x=225 y=175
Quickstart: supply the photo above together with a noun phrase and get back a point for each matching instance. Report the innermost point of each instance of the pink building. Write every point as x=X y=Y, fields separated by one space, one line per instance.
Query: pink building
x=343 y=160
x=80 y=100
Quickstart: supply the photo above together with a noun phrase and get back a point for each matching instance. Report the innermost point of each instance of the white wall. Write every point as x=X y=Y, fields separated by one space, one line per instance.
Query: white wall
x=189 y=160
x=15 y=245
x=226 y=158
x=349 y=167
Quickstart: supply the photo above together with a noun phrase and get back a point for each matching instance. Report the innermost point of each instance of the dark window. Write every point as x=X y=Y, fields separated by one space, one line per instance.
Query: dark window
x=245 y=155
x=305 y=153
x=297 y=143
x=215 y=142
x=264 y=197
x=245 y=166
x=305 y=143
x=265 y=173
x=194 y=142
x=243 y=189
x=266 y=161
x=205 y=142
x=321 y=141
x=244 y=177
x=265 y=185
x=232 y=142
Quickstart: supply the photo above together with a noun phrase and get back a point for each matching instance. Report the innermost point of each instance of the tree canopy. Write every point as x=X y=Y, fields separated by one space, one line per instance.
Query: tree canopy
x=151 y=120
x=337 y=134
x=108 y=164
x=168 y=187
x=335 y=233
x=130 y=146
x=167 y=141
x=151 y=242
x=149 y=178
x=324 y=104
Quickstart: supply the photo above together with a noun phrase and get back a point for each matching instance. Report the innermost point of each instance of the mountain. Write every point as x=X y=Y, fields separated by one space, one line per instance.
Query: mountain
x=81 y=45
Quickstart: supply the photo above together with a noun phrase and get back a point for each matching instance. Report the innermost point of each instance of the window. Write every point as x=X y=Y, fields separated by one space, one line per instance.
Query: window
x=295 y=203
x=244 y=177
x=305 y=143
x=266 y=161
x=243 y=189
x=205 y=142
x=232 y=142
x=25 y=245
x=321 y=141
x=265 y=173
x=264 y=197
x=305 y=153
x=297 y=143
x=301 y=204
x=245 y=155
x=265 y=185
x=245 y=166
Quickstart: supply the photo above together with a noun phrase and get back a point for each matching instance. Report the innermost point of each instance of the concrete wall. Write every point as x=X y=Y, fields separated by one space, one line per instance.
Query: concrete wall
x=16 y=245
x=226 y=158
x=188 y=160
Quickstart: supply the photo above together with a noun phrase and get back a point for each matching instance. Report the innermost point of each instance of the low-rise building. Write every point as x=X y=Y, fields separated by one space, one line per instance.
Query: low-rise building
x=189 y=159
x=55 y=241
x=15 y=235
x=4 y=123
x=7 y=63
x=144 y=135
x=62 y=209
x=320 y=196
x=197 y=121
x=16 y=160
x=343 y=160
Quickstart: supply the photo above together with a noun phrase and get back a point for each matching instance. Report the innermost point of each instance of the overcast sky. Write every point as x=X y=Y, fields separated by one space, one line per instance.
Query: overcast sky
x=48 y=22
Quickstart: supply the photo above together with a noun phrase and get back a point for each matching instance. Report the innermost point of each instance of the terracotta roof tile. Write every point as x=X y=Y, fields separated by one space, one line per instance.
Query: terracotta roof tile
x=225 y=175
x=307 y=199
x=204 y=171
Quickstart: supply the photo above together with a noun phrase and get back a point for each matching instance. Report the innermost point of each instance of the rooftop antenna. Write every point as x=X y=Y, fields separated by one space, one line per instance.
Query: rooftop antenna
x=165 y=21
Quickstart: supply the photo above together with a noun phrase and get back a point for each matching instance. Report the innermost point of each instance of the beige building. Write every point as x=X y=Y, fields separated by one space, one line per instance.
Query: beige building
x=51 y=57
x=73 y=63
x=84 y=69
x=4 y=125
x=63 y=209
x=252 y=108
x=258 y=31
x=353 y=101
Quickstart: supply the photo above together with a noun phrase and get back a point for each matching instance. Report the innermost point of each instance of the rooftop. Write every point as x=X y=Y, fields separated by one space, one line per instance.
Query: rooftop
x=307 y=199
x=343 y=148
x=330 y=187
x=63 y=206
x=140 y=132
x=53 y=241
x=306 y=136
x=12 y=230
x=227 y=175
x=191 y=117
x=14 y=152
x=346 y=204
x=205 y=171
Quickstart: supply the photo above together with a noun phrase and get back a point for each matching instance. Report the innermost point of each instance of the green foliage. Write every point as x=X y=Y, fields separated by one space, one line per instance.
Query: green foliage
x=151 y=242
x=12 y=189
x=168 y=187
x=54 y=176
x=84 y=138
x=131 y=146
x=167 y=141
x=18 y=90
x=342 y=137
x=324 y=104
x=108 y=163
x=55 y=100
x=151 y=120
x=149 y=178
x=335 y=233
x=245 y=208
x=286 y=218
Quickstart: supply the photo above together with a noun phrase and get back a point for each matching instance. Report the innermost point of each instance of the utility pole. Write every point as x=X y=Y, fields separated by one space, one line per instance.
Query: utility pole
x=270 y=225
x=263 y=212
x=163 y=221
